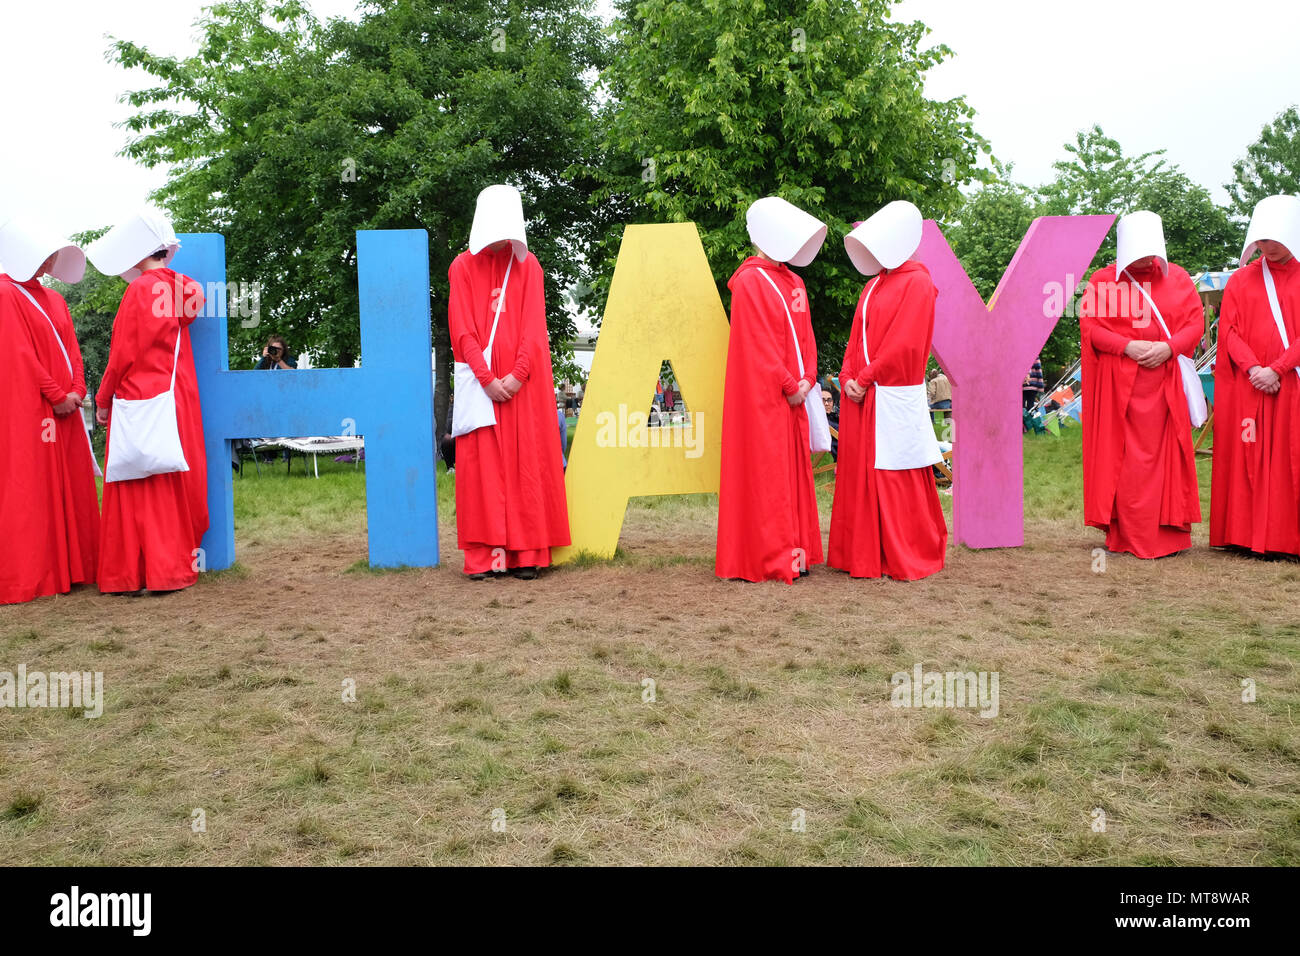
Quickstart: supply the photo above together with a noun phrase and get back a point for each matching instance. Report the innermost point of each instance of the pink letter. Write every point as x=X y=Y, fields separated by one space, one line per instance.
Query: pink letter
x=987 y=352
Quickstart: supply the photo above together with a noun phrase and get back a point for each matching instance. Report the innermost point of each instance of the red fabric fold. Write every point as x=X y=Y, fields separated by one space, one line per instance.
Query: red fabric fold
x=886 y=523
x=510 y=476
x=768 y=528
x=153 y=526
x=49 y=507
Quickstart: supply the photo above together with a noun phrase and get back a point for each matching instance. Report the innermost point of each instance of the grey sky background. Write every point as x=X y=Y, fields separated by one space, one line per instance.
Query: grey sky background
x=1196 y=78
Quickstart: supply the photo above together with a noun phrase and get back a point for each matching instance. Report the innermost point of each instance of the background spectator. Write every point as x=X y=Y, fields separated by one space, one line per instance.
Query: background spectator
x=939 y=392
x=276 y=355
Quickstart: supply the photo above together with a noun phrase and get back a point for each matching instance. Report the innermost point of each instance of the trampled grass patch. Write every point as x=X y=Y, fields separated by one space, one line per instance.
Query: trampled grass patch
x=639 y=711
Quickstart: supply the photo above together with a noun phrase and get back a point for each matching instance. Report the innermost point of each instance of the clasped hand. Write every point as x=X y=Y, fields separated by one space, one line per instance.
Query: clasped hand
x=854 y=391
x=1265 y=379
x=1149 y=354
x=69 y=404
x=800 y=393
x=503 y=389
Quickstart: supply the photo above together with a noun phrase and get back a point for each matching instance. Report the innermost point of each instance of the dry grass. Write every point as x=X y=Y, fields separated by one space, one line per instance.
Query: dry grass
x=1119 y=690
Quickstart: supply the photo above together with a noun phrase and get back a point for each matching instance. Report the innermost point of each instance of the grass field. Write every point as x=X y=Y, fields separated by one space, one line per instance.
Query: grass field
x=522 y=703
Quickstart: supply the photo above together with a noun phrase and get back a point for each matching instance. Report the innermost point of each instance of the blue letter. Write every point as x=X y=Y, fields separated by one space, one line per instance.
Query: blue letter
x=390 y=398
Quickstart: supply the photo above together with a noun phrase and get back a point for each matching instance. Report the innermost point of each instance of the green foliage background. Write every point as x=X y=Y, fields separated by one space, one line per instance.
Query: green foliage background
x=287 y=134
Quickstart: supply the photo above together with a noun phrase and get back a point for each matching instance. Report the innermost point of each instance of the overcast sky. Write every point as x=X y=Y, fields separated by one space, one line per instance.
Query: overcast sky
x=1199 y=79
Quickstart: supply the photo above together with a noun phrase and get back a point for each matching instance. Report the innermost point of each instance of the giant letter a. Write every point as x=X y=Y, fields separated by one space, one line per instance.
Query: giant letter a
x=663 y=304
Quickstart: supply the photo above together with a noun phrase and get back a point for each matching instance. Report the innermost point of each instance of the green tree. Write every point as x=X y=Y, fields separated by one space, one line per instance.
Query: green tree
x=287 y=135
x=1271 y=165
x=718 y=103
x=988 y=228
x=1099 y=179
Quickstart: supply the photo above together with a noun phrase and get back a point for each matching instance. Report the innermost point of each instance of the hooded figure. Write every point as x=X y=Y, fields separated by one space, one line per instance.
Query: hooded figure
x=152 y=526
x=886 y=519
x=49 y=508
x=1256 y=470
x=1137 y=316
x=510 y=503
x=768 y=529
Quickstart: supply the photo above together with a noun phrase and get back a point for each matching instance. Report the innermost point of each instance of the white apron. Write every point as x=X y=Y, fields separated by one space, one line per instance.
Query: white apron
x=904 y=433
x=94 y=464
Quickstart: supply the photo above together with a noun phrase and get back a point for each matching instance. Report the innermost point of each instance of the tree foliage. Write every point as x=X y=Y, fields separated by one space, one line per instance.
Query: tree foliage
x=1096 y=177
x=1271 y=165
x=714 y=104
x=287 y=135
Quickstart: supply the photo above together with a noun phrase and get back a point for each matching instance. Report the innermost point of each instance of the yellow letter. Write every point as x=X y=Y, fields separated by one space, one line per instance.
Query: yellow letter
x=663 y=304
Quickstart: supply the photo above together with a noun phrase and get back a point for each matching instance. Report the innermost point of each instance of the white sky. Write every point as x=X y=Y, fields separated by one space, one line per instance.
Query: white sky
x=1195 y=77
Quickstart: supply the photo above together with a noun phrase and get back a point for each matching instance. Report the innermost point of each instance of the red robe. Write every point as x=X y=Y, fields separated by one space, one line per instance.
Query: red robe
x=886 y=522
x=510 y=476
x=1256 y=471
x=768 y=529
x=1139 y=469
x=49 y=507
x=152 y=526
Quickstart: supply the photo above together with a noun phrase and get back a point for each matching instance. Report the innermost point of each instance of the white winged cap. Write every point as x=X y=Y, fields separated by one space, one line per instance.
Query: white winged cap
x=498 y=215
x=886 y=240
x=118 y=251
x=1139 y=235
x=1276 y=218
x=783 y=231
x=25 y=245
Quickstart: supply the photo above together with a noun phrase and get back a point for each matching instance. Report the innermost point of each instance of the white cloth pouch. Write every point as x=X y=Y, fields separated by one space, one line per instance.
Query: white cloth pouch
x=472 y=408
x=1193 y=390
x=143 y=437
x=819 y=427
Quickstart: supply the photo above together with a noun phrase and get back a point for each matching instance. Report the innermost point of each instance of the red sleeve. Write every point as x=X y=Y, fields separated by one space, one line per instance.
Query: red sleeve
x=68 y=333
x=123 y=348
x=1187 y=324
x=1288 y=359
x=189 y=310
x=906 y=335
x=807 y=340
x=1230 y=340
x=26 y=359
x=754 y=317
x=1092 y=333
x=533 y=341
x=850 y=367
x=460 y=322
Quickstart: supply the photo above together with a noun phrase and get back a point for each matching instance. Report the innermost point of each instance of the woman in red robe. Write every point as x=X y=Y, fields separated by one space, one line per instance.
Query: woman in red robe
x=886 y=519
x=49 y=506
x=1139 y=468
x=768 y=528
x=152 y=527
x=1256 y=471
x=510 y=503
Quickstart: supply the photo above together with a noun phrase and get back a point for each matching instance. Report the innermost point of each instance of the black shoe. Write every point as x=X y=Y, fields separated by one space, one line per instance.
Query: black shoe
x=527 y=573
x=478 y=576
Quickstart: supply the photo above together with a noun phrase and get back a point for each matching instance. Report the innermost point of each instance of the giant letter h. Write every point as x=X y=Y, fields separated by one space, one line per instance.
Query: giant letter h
x=389 y=400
